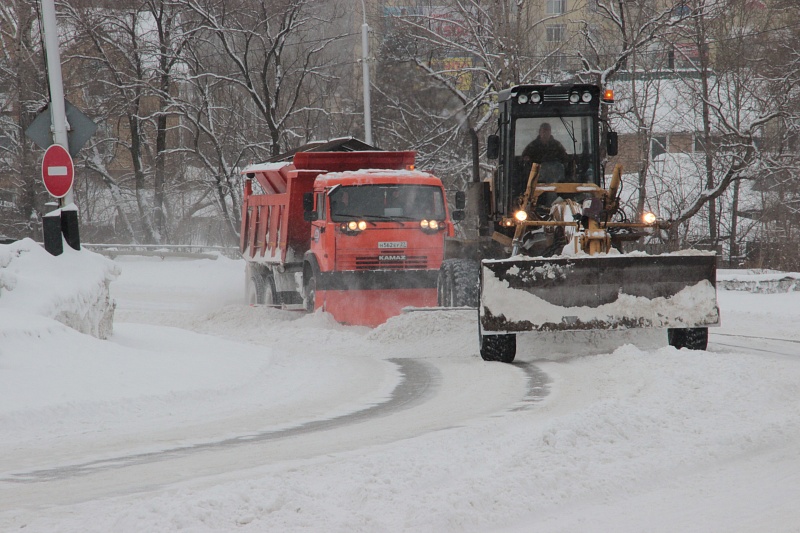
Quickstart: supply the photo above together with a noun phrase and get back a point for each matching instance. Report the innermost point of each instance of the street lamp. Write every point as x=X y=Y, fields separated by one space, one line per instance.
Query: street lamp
x=365 y=76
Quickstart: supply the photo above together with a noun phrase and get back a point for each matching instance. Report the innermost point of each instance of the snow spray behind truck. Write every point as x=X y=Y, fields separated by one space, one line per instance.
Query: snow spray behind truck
x=547 y=252
x=357 y=234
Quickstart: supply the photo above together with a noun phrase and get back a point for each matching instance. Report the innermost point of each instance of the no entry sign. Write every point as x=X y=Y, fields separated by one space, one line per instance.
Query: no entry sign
x=57 y=170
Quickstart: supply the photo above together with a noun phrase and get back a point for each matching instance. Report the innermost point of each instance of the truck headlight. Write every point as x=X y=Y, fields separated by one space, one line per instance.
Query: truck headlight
x=354 y=226
x=649 y=218
x=430 y=225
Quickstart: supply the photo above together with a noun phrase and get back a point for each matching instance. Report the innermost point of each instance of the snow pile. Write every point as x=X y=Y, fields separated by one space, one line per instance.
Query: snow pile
x=72 y=288
x=763 y=281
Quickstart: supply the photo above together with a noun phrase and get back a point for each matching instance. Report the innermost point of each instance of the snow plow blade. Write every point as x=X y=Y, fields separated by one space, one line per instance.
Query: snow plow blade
x=591 y=292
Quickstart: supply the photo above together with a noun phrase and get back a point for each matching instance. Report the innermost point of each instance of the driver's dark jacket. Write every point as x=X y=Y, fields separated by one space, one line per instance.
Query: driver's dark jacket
x=541 y=152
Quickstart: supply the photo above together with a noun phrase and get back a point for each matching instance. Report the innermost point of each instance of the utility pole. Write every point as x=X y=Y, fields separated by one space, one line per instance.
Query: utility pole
x=365 y=76
x=65 y=219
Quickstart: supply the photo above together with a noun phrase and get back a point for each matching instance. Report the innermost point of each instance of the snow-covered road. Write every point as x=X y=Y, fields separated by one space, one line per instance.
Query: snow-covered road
x=203 y=414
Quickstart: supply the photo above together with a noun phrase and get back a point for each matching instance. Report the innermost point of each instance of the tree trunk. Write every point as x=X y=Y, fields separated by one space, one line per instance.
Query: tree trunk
x=144 y=205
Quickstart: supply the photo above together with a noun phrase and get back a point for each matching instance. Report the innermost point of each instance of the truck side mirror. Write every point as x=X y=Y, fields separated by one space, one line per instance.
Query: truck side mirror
x=493 y=147
x=309 y=215
x=613 y=143
x=461 y=200
x=458 y=215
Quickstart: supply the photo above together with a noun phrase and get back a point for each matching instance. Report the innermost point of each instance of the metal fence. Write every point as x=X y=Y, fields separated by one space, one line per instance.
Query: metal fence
x=189 y=251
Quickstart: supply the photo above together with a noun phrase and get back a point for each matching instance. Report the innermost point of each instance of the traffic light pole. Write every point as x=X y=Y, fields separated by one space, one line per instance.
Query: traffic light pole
x=65 y=219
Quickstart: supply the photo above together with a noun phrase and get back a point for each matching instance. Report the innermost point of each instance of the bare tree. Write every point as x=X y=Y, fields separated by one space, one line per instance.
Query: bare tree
x=22 y=96
x=273 y=50
x=736 y=103
x=441 y=68
x=134 y=50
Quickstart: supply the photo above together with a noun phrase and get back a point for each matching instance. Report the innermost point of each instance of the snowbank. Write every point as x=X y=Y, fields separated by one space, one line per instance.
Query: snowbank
x=71 y=288
x=762 y=281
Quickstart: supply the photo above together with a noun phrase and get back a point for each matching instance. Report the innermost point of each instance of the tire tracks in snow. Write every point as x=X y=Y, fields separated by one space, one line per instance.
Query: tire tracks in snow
x=417 y=383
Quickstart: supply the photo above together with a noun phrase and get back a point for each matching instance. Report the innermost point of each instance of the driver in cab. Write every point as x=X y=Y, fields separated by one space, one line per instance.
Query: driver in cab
x=549 y=153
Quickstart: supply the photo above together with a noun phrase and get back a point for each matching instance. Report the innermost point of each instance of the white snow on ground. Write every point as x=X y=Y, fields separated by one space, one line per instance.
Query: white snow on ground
x=71 y=288
x=628 y=437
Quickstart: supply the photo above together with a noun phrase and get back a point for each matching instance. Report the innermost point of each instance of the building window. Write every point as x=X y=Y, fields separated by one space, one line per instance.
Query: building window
x=556 y=33
x=681 y=11
x=699 y=143
x=658 y=146
x=556 y=7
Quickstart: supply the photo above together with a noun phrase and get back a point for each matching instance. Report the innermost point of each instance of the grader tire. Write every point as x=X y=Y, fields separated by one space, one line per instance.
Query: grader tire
x=690 y=338
x=502 y=348
x=457 y=284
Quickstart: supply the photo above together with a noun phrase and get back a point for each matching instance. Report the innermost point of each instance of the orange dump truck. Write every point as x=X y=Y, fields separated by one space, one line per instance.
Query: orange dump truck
x=357 y=234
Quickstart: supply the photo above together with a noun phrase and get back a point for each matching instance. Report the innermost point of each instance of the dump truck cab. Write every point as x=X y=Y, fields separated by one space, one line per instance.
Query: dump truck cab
x=377 y=241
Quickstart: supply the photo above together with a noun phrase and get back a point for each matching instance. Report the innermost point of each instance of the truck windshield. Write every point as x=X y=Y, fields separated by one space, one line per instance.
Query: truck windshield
x=563 y=147
x=387 y=202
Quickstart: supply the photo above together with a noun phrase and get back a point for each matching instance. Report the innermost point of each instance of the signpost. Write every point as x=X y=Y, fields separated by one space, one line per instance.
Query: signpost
x=57 y=169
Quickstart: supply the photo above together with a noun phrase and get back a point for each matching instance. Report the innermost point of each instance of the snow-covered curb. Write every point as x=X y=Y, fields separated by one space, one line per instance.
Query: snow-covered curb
x=72 y=288
x=762 y=281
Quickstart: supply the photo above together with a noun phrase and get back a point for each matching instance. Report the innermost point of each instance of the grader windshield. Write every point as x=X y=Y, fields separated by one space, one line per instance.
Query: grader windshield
x=564 y=147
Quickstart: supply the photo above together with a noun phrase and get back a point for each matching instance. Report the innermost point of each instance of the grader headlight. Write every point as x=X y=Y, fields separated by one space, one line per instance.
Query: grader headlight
x=649 y=218
x=521 y=215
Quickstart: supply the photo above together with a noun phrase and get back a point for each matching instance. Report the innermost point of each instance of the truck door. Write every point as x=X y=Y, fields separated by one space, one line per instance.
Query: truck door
x=323 y=236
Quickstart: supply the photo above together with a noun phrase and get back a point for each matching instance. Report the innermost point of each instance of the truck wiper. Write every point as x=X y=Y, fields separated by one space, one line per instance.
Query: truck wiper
x=390 y=218
x=571 y=130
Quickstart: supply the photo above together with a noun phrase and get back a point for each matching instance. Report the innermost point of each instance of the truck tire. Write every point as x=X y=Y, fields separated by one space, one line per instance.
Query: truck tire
x=502 y=348
x=260 y=288
x=254 y=290
x=310 y=299
x=444 y=284
x=690 y=338
x=457 y=284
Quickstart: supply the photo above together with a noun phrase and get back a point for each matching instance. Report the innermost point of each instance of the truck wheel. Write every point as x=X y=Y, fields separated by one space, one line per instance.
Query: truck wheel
x=260 y=289
x=255 y=289
x=457 y=285
x=501 y=348
x=466 y=277
x=444 y=285
x=311 y=294
x=691 y=338
x=270 y=295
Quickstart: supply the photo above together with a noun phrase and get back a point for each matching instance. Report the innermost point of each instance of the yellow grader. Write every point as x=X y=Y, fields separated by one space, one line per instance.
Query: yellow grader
x=549 y=248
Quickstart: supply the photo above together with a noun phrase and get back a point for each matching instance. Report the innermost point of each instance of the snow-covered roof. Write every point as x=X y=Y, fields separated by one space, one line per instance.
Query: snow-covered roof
x=672 y=105
x=264 y=167
x=385 y=175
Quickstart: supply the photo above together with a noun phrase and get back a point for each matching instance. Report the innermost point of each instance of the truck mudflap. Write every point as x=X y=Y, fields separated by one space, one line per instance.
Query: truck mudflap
x=598 y=292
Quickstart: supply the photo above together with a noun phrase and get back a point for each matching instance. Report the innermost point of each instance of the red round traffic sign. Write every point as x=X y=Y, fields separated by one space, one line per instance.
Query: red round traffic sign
x=58 y=171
